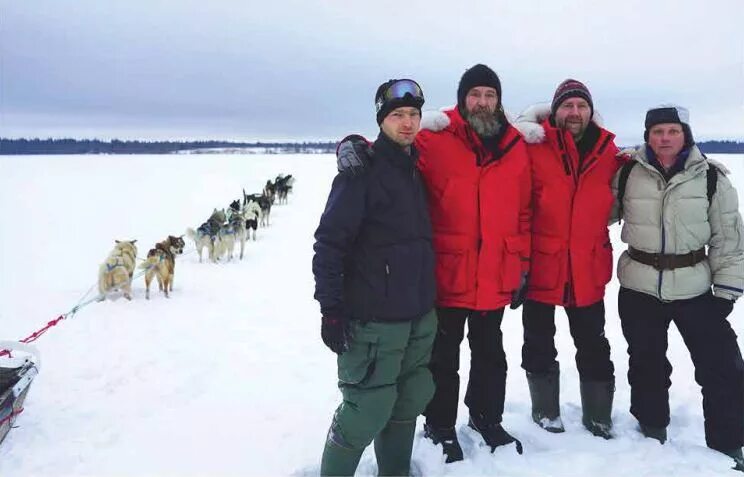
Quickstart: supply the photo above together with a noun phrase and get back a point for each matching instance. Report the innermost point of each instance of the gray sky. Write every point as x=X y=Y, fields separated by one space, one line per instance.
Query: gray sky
x=306 y=70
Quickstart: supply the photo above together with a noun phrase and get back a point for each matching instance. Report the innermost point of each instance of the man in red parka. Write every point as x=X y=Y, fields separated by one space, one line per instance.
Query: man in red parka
x=573 y=160
x=476 y=170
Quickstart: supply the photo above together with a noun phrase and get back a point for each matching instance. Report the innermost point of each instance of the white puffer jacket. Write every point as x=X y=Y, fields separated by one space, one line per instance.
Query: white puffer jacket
x=675 y=218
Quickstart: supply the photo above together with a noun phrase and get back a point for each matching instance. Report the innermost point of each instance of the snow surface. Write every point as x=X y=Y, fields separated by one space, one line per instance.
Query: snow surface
x=229 y=376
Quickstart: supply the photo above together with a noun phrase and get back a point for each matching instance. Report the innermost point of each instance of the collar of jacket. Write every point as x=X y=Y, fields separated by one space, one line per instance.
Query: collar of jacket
x=533 y=123
x=588 y=141
x=485 y=153
x=678 y=166
x=693 y=161
x=393 y=152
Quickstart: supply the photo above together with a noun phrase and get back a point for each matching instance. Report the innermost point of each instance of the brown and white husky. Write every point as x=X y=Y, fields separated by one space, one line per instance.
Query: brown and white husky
x=161 y=263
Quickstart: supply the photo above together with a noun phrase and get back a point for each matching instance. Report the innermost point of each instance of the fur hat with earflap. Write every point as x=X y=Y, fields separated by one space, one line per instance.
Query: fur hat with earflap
x=669 y=113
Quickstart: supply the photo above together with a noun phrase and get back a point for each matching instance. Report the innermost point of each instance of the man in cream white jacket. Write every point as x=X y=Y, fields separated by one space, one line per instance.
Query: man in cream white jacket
x=684 y=263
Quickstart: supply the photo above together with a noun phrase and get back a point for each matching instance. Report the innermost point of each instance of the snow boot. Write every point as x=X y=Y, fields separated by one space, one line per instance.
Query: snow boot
x=544 y=392
x=448 y=438
x=339 y=458
x=658 y=433
x=738 y=457
x=596 y=404
x=393 y=447
x=493 y=434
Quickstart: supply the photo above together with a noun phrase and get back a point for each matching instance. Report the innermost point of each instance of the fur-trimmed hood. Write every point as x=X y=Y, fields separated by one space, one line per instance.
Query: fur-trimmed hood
x=529 y=122
x=438 y=120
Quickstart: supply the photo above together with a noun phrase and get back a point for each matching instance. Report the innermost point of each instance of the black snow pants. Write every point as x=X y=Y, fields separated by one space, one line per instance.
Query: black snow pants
x=587 y=329
x=719 y=368
x=487 y=383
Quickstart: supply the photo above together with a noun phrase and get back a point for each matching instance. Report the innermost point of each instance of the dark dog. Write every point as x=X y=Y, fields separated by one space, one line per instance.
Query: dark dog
x=283 y=186
x=264 y=202
x=207 y=235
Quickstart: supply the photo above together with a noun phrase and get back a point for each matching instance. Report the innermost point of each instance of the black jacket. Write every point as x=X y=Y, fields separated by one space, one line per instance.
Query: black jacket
x=373 y=248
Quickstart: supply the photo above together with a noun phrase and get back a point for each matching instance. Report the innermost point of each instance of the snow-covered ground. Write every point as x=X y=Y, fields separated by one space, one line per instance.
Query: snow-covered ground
x=229 y=376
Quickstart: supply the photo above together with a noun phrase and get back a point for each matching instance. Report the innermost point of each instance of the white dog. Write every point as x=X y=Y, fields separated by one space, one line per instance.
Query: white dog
x=252 y=214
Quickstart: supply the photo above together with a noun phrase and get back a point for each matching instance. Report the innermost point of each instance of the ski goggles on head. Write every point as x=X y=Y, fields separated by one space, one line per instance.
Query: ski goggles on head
x=400 y=89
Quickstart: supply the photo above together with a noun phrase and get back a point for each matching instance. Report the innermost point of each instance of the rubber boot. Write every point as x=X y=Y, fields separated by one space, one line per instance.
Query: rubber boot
x=658 y=433
x=738 y=457
x=393 y=447
x=448 y=438
x=339 y=458
x=544 y=392
x=596 y=403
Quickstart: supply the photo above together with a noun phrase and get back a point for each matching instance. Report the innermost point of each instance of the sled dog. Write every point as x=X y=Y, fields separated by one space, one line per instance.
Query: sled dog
x=207 y=235
x=116 y=272
x=161 y=263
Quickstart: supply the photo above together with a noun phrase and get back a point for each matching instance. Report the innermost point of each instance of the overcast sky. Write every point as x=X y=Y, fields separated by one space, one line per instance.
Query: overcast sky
x=305 y=70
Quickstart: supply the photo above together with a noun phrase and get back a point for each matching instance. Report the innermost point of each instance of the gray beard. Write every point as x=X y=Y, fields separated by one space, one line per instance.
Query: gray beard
x=485 y=124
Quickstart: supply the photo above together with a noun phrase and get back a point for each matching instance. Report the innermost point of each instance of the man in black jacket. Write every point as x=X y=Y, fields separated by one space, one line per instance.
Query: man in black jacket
x=374 y=280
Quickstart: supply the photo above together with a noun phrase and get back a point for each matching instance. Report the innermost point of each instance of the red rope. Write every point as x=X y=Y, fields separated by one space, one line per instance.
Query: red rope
x=35 y=335
x=10 y=416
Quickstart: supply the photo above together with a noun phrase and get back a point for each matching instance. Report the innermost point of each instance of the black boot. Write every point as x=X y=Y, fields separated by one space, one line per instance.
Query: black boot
x=596 y=403
x=738 y=457
x=658 y=433
x=544 y=392
x=493 y=434
x=448 y=438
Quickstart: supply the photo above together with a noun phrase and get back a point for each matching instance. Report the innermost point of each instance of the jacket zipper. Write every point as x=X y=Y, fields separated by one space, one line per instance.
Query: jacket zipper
x=665 y=193
x=568 y=292
x=387 y=279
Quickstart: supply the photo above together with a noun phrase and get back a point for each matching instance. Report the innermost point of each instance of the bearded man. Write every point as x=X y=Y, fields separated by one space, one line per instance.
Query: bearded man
x=573 y=160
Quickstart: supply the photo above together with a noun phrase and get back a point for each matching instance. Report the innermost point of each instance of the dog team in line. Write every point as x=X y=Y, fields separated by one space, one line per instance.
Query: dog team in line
x=448 y=219
x=219 y=235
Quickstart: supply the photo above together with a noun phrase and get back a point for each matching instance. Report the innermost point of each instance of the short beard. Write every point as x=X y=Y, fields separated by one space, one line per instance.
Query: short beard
x=484 y=122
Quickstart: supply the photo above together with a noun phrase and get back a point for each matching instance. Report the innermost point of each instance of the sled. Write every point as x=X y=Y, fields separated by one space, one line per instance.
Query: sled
x=16 y=375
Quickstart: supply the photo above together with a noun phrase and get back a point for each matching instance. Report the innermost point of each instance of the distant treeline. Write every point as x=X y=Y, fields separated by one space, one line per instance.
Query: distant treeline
x=721 y=147
x=88 y=146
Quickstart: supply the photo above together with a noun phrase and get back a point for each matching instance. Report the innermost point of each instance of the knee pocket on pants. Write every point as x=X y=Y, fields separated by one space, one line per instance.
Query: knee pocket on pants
x=364 y=413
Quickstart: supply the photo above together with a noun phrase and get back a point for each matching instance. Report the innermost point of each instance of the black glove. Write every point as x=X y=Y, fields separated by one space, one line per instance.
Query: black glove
x=335 y=333
x=723 y=306
x=520 y=293
x=352 y=153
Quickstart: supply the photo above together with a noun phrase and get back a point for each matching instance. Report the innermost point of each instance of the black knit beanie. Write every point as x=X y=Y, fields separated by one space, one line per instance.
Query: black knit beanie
x=384 y=107
x=478 y=75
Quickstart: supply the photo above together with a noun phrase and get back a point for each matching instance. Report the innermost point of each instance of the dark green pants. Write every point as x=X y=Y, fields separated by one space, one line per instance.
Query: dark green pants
x=384 y=376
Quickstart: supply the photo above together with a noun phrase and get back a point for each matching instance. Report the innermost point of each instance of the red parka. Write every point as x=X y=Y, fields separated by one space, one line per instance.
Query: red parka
x=572 y=200
x=480 y=213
